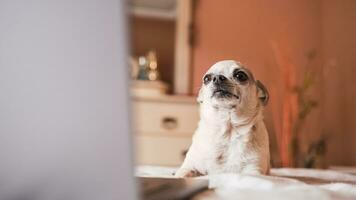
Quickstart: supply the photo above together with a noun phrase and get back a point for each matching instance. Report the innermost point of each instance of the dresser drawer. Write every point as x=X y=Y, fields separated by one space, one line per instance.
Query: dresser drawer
x=167 y=151
x=165 y=118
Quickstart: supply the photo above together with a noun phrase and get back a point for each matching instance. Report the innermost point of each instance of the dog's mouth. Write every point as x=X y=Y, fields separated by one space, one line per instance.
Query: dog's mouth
x=224 y=94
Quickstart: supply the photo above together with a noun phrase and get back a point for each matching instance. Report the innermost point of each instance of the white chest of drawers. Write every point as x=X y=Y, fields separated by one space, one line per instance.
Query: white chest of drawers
x=163 y=127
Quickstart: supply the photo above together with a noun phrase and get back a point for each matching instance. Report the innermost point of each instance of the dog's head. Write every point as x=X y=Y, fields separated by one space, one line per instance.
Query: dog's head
x=229 y=84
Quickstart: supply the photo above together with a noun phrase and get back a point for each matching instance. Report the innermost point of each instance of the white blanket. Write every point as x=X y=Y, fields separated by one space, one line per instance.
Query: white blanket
x=283 y=183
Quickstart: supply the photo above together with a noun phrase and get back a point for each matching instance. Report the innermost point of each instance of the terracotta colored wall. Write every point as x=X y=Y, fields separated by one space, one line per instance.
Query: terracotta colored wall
x=339 y=45
x=244 y=31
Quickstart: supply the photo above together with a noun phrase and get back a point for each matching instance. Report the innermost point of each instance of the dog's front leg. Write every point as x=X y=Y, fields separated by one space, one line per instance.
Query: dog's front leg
x=187 y=169
x=190 y=167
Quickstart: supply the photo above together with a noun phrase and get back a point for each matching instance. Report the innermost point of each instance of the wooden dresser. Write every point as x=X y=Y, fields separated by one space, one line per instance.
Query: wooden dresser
x=163 y=127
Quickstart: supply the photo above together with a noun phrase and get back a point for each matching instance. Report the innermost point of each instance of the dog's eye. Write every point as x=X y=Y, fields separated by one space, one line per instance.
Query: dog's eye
x=207 y=78
x=240 y=76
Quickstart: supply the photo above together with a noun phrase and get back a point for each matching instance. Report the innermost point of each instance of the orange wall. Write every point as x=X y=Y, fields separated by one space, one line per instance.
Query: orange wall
x=339 y=49
x=244 y=31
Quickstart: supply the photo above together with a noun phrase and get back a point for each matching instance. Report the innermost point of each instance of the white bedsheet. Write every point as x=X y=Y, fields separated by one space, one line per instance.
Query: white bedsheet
x=283 y=183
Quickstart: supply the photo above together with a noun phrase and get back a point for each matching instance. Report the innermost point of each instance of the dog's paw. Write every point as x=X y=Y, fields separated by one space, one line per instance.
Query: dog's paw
x=193 y=173
x=188 y=173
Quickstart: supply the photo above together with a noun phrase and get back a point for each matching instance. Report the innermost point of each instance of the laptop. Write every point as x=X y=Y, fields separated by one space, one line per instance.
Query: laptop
x=64 y=104
x=170 y=188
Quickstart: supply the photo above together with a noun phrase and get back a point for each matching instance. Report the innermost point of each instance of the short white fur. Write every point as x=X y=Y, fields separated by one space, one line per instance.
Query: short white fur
x=231 y=136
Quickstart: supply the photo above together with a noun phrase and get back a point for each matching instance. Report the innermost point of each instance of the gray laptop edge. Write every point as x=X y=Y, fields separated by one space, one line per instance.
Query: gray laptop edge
x=64 y=107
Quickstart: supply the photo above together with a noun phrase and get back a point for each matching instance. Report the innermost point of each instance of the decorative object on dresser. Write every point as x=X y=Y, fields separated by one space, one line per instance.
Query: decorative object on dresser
x=145 y=75
x=167 y=27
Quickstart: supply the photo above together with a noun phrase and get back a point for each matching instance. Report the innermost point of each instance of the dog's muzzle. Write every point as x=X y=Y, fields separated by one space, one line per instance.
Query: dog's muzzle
x=222 y=92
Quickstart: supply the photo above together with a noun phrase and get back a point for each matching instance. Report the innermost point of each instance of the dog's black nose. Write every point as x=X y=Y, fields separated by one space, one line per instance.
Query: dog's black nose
x=219 y=79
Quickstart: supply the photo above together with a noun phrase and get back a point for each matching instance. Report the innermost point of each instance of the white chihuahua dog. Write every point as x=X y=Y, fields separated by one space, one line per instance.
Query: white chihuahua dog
x=231 y=136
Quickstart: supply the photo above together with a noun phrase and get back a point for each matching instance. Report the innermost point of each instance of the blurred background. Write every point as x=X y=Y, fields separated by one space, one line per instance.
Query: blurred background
x=302 y=50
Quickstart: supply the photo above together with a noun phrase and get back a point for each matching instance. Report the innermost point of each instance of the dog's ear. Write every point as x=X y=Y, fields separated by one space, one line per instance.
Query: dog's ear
x=262 y=93
x=200 y=96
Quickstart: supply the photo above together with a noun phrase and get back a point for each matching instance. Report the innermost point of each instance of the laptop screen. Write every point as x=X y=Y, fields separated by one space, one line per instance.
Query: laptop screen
x=64 y=124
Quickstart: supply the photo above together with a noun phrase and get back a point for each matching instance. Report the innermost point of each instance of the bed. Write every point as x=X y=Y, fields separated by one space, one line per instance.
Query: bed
x=282 y=183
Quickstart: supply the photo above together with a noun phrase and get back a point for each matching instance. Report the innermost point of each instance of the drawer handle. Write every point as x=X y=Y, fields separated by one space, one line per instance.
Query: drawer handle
x=169 y=123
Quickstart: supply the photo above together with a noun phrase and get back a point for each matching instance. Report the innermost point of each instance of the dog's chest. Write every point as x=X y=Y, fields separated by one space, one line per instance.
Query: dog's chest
x=227 y=144
x=230 y=150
